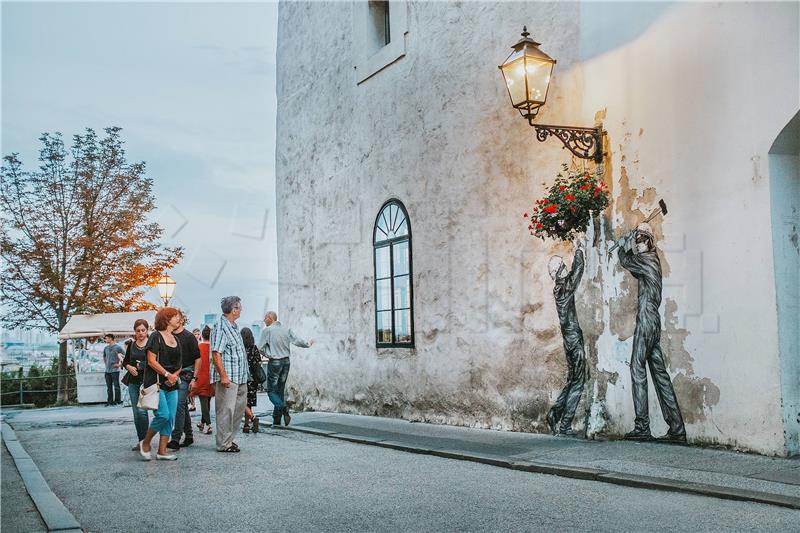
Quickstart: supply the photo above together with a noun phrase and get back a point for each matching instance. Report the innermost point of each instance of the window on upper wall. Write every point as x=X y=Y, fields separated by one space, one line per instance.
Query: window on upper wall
x=379 y=32
x=394 y=308
x=379 y=35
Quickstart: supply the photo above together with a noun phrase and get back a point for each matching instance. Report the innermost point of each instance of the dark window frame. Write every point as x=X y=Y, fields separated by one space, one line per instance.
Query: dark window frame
x=390 y=243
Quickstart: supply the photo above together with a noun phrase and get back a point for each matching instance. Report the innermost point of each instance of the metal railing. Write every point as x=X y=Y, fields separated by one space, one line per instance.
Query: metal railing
x=20 y=391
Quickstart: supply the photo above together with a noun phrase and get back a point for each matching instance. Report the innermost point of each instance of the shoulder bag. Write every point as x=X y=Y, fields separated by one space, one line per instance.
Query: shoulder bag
x=148 y=397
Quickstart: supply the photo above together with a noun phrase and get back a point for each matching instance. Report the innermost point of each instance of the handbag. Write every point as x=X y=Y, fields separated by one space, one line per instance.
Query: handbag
x=259 y=376
x=149 y=397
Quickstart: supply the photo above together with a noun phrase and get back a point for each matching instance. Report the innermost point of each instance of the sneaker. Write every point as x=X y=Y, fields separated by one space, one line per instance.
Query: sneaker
x=640 y=435
x=286 y=417
x=255 y=424
x=173 y=445
x=168 y=457
x=188 y=441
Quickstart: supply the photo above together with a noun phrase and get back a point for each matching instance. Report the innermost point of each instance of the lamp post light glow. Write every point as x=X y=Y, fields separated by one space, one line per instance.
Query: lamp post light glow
x=527 y=73
x=166 y=288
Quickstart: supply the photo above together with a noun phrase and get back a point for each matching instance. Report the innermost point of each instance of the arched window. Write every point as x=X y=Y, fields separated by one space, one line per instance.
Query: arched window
x=394 y=309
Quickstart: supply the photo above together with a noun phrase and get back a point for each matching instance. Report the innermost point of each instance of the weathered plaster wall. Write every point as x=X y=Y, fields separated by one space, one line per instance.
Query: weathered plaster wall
x=689 y=119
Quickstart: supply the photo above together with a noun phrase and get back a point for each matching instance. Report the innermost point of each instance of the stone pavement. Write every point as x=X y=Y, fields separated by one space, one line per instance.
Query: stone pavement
x=710 y=472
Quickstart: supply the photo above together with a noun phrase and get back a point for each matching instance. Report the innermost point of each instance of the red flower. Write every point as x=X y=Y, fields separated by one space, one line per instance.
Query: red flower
x=572 y=209
x=561 y=187
x=569 y=197
x=530 y=227
x=586 y=186
x=551 y=208
x=538 y=226
x=525 y=215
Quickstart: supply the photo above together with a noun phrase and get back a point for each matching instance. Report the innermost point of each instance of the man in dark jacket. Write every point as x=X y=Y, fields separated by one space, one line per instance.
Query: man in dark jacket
x=190 y=365
x=563 y=410
x=637 y=254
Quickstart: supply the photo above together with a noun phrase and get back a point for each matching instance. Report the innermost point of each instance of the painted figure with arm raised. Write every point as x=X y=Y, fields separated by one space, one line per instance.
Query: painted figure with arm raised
x=560 y=416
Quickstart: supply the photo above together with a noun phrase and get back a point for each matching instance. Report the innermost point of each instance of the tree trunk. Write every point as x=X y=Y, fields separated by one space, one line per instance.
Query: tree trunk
x=63 y=394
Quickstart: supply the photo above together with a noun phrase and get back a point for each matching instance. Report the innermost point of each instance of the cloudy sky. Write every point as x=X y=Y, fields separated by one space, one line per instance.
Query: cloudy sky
x=193 y=87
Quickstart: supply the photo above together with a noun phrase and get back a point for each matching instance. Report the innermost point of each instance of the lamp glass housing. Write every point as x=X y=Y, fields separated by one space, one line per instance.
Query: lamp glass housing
x=527 y=72
x=166 y=287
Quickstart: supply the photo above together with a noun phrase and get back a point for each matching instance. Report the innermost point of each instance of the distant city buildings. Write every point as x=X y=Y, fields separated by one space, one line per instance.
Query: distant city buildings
x=26 y=348
x=209 y=319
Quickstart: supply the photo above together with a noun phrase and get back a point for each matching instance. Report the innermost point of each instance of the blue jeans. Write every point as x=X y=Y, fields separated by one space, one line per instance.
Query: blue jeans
x=141 y=418
x=164 y=416
x=277 y=372
x=183 y=419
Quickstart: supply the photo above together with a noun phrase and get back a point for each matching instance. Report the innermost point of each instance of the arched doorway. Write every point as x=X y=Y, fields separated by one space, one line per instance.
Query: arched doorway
x=784 y=176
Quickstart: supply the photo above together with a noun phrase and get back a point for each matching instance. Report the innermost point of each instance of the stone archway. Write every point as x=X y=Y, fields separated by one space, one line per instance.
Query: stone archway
x=784 y=176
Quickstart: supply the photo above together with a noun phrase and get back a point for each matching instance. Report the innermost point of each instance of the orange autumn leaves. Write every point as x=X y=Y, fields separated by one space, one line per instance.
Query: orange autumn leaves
x=568 y=206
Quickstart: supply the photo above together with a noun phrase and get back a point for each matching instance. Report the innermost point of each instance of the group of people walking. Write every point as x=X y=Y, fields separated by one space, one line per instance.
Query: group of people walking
x=224 y=364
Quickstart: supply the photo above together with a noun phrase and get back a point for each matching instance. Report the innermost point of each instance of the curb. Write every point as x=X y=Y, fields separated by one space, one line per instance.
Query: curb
x=55 y=516
x=574 y=472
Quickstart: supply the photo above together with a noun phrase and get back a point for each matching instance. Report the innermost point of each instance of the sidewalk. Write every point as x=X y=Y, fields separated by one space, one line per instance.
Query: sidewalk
x=710 y=472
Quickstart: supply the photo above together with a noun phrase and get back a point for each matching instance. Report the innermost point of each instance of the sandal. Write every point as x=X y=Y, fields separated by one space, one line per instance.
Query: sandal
x=246 y=429
x=230 y=449
x=200 y=426
x=208 y=430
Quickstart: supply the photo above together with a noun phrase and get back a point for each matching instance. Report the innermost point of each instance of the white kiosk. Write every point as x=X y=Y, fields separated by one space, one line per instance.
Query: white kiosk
x=91 y=381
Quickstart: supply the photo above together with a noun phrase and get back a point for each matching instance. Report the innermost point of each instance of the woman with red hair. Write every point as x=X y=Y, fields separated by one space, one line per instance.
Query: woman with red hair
x=164 y=368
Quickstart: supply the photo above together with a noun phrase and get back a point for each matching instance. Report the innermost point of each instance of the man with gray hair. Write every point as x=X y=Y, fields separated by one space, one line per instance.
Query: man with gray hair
x=275 y=343
x=229 y=373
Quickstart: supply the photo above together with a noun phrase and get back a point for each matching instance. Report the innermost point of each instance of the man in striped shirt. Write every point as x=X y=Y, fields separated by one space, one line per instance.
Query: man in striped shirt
x=229 y=373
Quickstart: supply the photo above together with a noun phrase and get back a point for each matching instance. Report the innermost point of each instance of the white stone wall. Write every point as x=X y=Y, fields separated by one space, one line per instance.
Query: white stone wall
x=692 y=97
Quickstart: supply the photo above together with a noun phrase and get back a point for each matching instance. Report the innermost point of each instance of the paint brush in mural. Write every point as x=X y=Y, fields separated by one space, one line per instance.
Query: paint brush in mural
x=662 y=210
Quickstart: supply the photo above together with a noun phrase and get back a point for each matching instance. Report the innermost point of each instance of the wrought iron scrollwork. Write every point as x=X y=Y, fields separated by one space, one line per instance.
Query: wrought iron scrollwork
x=586 y=143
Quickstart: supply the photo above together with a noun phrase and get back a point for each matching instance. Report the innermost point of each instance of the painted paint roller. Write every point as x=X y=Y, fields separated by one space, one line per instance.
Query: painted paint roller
x=662 y=210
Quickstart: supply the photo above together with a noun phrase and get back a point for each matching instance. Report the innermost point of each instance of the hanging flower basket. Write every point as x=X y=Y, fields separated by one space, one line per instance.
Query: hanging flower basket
x=568 y=206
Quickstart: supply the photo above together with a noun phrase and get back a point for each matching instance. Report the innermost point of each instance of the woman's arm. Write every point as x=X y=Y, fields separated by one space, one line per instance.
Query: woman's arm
x=126 y=362
x=152 y=361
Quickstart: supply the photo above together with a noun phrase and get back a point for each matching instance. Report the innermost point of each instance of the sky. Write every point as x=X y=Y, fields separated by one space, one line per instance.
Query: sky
x=192 y=85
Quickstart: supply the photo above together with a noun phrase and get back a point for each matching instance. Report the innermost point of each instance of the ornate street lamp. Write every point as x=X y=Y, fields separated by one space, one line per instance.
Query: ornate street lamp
x=527 y=72
x=166 y=288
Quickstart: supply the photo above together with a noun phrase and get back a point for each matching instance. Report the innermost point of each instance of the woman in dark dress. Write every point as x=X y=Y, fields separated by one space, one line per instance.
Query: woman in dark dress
x=135 y=359
x=163 y=367
x=253 y=359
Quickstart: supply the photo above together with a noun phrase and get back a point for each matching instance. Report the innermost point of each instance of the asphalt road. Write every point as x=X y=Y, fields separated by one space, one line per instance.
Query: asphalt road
x=285 y=481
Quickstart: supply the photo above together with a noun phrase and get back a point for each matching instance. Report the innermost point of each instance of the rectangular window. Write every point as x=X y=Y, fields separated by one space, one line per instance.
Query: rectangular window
x=379 y=31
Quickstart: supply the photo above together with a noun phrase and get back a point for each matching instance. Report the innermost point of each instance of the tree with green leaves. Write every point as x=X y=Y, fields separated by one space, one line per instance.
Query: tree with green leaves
x=75 y=235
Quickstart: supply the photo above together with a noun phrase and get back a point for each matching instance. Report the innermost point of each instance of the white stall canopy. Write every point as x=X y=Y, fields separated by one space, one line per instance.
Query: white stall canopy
x=120 y=324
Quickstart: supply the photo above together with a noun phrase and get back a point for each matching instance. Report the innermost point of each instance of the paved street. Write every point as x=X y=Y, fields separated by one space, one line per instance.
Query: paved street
x=286 y=480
